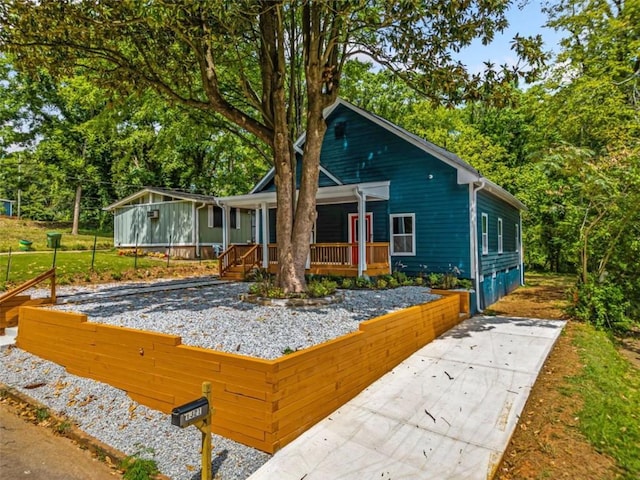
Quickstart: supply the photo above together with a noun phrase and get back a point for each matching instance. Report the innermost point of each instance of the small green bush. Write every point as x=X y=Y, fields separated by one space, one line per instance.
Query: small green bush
x=381 y=283
x=321 y=288
x=603 y=305
x=418 y=281
x=347 y=283
x=139 y=466
x=363 y=282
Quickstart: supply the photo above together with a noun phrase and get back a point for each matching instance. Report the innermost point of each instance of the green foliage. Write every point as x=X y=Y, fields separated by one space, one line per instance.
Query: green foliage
x=381 y=283
x=42 y=414
x=363 y=282
x=321 y=288
x=602 y=304
x=610 y=390
x=267 y=288
x=347 y=283
x=63 y=427
x=140 y=466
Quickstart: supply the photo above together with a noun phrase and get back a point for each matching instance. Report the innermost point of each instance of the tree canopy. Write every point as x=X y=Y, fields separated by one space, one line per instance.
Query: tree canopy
x=268 y=68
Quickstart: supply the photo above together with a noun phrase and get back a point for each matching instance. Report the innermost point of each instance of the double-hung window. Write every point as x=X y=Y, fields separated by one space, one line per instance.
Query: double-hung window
x=403 y=234
x=500 y=236
x=485 y=234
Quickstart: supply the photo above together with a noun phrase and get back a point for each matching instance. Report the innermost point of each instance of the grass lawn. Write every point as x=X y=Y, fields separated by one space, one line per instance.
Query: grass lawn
x=75 y=267
x=610 y=387
x=13 y=230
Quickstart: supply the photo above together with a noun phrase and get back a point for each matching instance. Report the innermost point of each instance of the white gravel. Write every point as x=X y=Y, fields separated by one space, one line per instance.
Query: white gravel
x=208 y=316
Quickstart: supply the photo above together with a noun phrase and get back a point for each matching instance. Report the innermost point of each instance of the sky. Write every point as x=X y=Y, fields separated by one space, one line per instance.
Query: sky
x=526 y=21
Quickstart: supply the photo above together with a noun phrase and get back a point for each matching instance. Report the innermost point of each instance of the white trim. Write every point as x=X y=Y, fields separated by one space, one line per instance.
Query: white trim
x=517 y=225
x=331 y=176
x=325 y=195
x=500 y=233
x=484 y=236
x=413 y=235
x=140 y=194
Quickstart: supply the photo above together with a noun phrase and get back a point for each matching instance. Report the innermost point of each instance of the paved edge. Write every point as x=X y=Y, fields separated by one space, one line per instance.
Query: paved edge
x=84 y=440
x=498 y=463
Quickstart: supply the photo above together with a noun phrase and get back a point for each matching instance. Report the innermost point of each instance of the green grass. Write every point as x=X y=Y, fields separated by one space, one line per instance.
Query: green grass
x=13 y=230
x=610 y=387
x=73 y=267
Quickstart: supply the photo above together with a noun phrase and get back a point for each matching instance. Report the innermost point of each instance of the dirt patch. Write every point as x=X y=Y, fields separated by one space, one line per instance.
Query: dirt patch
x=547 y=442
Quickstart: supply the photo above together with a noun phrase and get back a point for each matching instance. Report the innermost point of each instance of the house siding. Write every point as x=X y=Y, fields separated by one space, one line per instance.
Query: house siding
x=174 y=225
x=371 y=153
x=499 y=272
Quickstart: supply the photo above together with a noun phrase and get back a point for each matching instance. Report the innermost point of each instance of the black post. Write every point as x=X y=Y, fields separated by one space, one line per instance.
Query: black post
x=8 y=266
x=55 y=253
x=135 y=254
x=93 y=255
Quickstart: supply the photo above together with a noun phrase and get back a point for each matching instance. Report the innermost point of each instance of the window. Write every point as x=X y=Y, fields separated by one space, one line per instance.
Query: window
x=234 y=218
x=214 y=217
x=499 y=235
x=403 y=236
x=517 y=238
x=485 y=234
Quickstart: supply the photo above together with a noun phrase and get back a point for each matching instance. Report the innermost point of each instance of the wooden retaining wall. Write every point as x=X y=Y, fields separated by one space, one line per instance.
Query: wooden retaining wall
x=261 y=403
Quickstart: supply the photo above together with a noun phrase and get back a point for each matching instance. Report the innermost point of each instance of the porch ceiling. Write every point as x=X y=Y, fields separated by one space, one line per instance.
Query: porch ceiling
x=374 y=191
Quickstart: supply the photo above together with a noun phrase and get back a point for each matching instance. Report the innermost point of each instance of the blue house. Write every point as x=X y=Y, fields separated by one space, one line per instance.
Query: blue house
x=389 y=200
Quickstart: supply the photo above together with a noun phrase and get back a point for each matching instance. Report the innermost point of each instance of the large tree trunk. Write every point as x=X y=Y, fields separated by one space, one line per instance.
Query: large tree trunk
x=76 y=210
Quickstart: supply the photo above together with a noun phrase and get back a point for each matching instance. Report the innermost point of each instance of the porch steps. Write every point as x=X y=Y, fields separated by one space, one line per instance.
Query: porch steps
x=234 y=272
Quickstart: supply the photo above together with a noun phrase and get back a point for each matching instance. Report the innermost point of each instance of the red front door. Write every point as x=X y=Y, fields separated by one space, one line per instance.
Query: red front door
x=353 y=234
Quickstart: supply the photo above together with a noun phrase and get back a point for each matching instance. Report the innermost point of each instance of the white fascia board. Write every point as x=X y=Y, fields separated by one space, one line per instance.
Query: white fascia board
x=128 y=199
x=263 y=181
x=344 y=193
x=501 y=193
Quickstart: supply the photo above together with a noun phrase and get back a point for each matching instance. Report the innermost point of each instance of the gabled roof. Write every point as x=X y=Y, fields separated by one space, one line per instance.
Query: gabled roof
x=191 y=197
x=466 y=173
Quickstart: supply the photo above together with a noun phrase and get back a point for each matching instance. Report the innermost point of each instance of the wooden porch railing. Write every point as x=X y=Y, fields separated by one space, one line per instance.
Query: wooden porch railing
x=340 y=253
x=246 y=256
x=11 y=301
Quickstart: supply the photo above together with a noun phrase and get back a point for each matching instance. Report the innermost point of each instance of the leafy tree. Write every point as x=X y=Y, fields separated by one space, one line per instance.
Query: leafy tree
x=267 y=67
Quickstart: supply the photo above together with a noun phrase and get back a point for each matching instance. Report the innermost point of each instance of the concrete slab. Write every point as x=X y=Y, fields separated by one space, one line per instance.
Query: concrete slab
x=9 y=337
x=447 y=412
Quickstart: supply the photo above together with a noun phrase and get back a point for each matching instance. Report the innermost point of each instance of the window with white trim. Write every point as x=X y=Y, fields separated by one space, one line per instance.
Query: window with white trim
x=499 y=235
x=403 y=233
x=485 y=234
x=214 y=217
x=234 y=218
x=517 y=238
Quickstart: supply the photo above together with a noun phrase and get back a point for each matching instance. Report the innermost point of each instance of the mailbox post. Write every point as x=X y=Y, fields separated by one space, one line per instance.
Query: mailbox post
x=198 y=413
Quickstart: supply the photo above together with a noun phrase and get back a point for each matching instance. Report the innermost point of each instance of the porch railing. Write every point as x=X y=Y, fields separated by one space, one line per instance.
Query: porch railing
x=246 y=256
x=345 y=254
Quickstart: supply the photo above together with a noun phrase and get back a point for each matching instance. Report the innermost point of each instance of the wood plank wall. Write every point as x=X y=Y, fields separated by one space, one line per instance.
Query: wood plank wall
x=262 y=403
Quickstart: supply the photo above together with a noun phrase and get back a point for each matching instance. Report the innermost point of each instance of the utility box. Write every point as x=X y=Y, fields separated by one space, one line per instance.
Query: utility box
x=53 y=239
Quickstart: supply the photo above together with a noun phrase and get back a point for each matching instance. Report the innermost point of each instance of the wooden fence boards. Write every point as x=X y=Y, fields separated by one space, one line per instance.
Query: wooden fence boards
x=262 y=403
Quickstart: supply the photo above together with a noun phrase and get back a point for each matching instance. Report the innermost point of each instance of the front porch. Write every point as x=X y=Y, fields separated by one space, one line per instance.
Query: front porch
x=339 y=259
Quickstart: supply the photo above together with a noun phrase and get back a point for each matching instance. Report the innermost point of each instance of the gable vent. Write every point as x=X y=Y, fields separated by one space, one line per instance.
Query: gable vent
x=340 y=130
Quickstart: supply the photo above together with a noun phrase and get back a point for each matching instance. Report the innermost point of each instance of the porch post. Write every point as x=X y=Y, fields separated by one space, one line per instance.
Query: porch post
x=265 y=235
x=362 y=234
x=256 y=225
x=226 y=221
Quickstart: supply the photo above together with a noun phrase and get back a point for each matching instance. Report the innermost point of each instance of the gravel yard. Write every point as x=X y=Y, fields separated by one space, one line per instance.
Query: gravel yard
x=207 y=316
